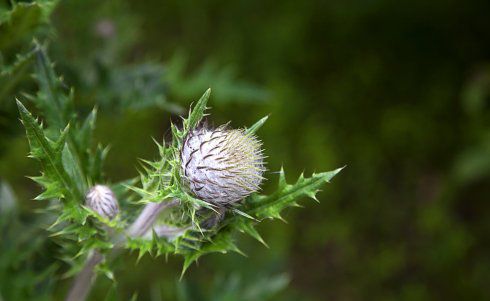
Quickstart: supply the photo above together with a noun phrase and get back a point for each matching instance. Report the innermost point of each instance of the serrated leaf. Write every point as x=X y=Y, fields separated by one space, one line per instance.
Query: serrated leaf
x=49 y=155
x=287 y=194
x=56 y=103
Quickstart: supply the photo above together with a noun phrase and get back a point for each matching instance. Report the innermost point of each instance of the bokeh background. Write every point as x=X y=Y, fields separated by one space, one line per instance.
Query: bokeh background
x=397 y=91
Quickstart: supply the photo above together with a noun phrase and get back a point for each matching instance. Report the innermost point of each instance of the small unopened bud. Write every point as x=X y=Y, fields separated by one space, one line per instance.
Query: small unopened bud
x=102 y=200
x=221 y=166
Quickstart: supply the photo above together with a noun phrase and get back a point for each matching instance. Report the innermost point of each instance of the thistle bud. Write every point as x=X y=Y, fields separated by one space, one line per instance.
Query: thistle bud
x=221 y=166
x=102 y=200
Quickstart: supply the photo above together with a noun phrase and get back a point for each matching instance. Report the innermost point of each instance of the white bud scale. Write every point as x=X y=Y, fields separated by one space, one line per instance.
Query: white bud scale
x=221 y=166
x=102 y=200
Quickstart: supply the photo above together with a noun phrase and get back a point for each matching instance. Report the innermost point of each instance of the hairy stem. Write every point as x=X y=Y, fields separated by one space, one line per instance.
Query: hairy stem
x=169 y=231
x=83 y=282
x=148 y=216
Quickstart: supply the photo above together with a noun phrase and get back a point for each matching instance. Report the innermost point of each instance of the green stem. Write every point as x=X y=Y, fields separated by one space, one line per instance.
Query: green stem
x=82 y=284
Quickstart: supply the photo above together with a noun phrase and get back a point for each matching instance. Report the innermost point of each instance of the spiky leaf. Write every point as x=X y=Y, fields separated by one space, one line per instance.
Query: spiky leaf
x=55 y=180
x=288 y=194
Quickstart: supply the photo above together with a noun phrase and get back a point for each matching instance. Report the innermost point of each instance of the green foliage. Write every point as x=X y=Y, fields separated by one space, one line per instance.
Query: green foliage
x=166 y=86
x=226 y=87
x=55 y=180
x=234 y=288
x=69 y=165
x=133 y=88
x=24 y=272
x=22 y=20
x=18 y=25
x=257 y=208
x=11 y=75
x=400 y=91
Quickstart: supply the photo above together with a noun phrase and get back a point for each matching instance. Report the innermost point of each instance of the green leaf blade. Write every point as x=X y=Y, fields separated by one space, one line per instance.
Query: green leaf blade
x=197 y=112
x=256 y=126
x=50 y=156
x=287 y=194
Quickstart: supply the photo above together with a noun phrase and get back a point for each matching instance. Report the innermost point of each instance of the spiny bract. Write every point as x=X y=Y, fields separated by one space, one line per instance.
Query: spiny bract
x=102 y=200
x=221 y=166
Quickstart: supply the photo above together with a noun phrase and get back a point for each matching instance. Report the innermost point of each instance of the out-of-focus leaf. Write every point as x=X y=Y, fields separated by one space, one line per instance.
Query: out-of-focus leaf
x=11 y=75
x=8 y=202
x=233 y=287
x=52 y=98
x=476 y=92
x=22 y=21
x=223 y=80
x=135 y=87
x=473 y=163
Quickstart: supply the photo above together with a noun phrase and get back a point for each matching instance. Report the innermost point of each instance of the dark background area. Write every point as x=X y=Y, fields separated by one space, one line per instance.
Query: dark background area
x=397 y=91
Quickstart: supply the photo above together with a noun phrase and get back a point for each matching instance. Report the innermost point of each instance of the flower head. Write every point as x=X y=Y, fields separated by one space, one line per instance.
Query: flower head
x=102 y=200
x=221 y=166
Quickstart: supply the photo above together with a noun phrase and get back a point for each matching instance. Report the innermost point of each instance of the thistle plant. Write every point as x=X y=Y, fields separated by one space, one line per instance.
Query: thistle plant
x=201 y=191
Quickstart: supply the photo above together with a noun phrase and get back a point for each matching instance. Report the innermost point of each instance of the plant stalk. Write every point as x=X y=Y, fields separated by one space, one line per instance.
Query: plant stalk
x=148 y=216
x=84 y=280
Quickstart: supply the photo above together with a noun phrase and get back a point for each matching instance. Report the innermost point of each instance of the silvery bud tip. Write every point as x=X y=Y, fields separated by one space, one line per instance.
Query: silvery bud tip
x=102 y=200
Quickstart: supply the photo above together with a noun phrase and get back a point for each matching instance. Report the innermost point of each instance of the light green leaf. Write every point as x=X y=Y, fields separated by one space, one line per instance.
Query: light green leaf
x=197 y=112
x=256 y=126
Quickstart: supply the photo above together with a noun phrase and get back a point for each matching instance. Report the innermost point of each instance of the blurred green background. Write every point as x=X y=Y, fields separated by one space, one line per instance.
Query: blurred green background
x=397 y=91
